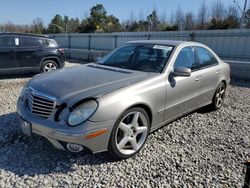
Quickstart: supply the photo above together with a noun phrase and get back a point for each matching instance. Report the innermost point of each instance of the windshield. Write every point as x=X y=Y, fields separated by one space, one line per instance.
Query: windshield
x=139 y=57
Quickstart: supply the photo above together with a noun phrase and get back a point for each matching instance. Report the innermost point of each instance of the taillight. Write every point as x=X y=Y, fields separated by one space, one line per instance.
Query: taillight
x=61 y=50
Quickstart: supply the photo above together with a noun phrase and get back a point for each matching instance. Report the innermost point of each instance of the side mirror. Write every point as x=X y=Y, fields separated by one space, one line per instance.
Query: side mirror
x=98 y=59
x=182 y=71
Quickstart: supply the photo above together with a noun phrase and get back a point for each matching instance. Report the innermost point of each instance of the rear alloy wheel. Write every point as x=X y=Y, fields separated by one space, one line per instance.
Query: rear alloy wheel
x=129 y=134
x=219 y=97
x=49 y=66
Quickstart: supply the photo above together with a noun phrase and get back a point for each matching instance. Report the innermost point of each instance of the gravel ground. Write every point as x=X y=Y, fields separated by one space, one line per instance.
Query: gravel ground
x=199 y=150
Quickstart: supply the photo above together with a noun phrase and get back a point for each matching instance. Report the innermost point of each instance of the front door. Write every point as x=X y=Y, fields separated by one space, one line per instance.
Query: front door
x=29 y=52
x=183 y=93
x=8 y=46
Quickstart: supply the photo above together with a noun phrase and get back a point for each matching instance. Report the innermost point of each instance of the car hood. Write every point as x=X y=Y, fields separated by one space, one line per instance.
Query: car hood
x=80 y=82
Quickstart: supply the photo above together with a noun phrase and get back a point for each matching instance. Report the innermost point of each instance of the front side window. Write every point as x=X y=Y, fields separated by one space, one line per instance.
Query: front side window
x=30 y=41
x=7 y=41
x=140 y=57
x=205 y=57
x=186 y=58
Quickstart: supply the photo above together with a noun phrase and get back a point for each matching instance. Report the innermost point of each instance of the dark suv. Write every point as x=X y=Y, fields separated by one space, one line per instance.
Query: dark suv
x=34 y=53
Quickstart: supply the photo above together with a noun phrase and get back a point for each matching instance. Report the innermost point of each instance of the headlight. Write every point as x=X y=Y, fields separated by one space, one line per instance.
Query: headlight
x=82 y=112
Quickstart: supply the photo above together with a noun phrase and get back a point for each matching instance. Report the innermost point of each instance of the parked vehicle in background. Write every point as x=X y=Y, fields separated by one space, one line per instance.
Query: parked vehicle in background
x=28 y=52
x=113 y=105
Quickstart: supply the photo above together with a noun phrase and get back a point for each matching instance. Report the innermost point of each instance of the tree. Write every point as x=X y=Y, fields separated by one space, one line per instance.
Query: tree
x=189 y=22
x=98 y=16
x=232 y=19
x=202 y=16
x=248 y=18
x=218 y=11
x=153 y=21
x=37 y=26
x=112 y=24
x=179 y=18
x=56 y=25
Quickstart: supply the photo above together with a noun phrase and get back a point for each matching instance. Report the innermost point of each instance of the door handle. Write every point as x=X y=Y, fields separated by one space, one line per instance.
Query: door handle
x=217 y=72
x=198 y=78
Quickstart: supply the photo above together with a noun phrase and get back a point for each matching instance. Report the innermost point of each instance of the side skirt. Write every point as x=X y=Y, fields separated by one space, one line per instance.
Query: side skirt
x=156 y=127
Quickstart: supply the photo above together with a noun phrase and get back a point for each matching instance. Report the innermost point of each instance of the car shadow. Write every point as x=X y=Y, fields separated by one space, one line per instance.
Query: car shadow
x=23 y=155
x=16 y=75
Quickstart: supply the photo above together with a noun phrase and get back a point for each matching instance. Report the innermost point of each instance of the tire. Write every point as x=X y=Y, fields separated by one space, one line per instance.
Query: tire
x=49 y=65
x=129 y=134
x=219 y=97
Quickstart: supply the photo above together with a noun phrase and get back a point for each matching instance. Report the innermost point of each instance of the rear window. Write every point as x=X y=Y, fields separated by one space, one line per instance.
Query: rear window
x=50 y=42
x=30 y=41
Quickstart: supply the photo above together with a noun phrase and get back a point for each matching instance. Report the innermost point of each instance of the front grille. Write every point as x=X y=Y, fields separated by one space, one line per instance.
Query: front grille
x=40 y=104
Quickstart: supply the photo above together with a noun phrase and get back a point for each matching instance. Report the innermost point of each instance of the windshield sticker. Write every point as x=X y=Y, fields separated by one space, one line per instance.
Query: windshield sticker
x=160 y=47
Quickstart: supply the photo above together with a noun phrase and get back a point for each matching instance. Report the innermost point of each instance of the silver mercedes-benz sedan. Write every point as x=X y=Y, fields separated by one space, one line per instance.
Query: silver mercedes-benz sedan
x=114 y=104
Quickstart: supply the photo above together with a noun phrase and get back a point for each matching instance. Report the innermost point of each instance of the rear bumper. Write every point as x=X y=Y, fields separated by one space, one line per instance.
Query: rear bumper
x=61 y=62
x=59 y=132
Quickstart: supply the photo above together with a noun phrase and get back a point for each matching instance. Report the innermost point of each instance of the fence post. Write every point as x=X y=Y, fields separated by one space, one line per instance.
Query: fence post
x=192 y=36
x=89 y=48
x=115 y=40
x=69 y=45
x=148 y=36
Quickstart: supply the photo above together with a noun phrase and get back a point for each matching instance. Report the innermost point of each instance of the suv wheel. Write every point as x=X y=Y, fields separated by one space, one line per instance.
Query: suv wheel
x=49 y=65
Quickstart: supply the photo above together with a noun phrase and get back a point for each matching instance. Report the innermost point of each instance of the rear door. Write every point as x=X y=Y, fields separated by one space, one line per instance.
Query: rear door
x=8 y=46
x=30 y=51
x=210 y=72
x=183 y=93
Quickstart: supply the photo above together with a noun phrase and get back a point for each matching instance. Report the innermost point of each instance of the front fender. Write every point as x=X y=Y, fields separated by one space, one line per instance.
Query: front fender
x=150 y=93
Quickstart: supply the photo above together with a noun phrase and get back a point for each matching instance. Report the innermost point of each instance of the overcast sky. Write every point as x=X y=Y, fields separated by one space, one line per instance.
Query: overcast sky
x=24 y=11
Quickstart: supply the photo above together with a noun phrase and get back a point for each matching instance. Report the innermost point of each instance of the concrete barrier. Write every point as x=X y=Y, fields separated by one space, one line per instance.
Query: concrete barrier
x=239 y=70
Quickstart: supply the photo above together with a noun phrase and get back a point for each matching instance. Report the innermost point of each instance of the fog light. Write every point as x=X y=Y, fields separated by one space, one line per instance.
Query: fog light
x=74 y=147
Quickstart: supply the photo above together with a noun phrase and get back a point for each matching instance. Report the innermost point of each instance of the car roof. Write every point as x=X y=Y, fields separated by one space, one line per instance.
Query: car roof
x=25 y=34
x=162 y=42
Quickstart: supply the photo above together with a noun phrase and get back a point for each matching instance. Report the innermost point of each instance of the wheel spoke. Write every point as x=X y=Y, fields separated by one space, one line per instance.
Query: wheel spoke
x=124 y=127
x=141 y=129
x=222 y=91
x=134 y=144
x=123 y=142
x=218 y=95
x=135 y=119
x=218 y=102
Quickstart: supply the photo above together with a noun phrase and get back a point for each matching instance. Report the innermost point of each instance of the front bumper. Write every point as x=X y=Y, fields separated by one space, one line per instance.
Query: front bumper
x=59 y=132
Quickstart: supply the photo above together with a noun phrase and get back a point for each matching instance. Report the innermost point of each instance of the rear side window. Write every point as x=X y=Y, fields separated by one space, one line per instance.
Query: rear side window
x=50 y=42
x=205 y=57
x=186 y=58
x=7 y=41
x=30 y=41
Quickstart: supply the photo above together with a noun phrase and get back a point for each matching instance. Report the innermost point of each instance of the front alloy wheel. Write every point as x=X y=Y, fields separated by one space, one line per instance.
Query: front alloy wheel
x=129 y=134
